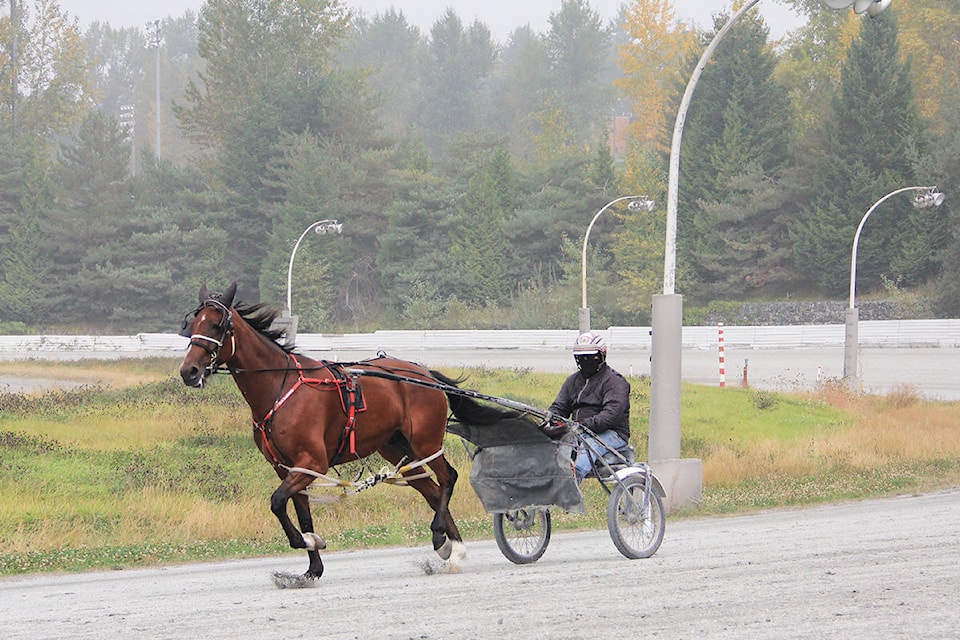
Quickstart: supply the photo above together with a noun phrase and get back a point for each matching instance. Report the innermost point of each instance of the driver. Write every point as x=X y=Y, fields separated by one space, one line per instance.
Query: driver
x=597 y=397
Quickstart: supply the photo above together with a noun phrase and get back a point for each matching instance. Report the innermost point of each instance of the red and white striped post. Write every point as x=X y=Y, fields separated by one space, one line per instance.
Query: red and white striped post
x=723 y=370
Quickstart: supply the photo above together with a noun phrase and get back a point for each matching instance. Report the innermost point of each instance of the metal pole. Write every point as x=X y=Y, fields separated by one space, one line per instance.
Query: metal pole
x=673 y=180
x=852 y=316
x=584 y=316
x=856 y=237
x=155 y=37
x=666 y=340
x=157 y=108
x=293 y=254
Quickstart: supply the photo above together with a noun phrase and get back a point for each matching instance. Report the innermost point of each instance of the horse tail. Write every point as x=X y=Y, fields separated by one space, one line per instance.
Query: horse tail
x=470 y=411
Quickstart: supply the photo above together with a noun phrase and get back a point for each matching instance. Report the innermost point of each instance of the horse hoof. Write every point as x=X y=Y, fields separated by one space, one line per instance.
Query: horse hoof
x=313 y=542
x=445 y=549
x=456 y=554
x=283 y=580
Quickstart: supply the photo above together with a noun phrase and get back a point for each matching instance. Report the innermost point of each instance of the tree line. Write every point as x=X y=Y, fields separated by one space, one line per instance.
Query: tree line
x=464 y=170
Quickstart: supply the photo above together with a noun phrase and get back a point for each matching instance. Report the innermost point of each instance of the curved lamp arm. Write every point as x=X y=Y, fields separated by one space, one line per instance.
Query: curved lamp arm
x=645 y=203
x=856 y=237
x=319 y=224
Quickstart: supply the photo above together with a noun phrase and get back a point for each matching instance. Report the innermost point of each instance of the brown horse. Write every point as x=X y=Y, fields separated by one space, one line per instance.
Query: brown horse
x=310 y=415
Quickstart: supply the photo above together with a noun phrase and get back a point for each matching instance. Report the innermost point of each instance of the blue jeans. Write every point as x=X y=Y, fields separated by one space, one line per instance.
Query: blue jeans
x=609 y=437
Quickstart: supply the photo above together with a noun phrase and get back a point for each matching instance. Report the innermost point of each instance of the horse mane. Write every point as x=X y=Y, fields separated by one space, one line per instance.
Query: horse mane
x=260 y=317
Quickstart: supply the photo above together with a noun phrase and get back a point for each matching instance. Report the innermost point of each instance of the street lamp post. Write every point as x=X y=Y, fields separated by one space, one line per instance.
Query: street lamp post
x=929 y=197
x=666 y=339
x=320 y=227
x=156 y=38
x=667 y=316
x=637 y=203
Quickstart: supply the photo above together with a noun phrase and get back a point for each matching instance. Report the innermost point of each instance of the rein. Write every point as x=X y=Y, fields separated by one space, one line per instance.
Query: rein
x=345 y=382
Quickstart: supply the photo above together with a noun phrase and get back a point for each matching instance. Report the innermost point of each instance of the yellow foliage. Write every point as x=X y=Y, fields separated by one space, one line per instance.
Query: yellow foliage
x=929 y=32
x=650 y=61
x=555 y=138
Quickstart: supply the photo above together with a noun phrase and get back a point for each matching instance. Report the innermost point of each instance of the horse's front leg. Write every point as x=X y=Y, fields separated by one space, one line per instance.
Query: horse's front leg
x=301 y=504
x=290 y=488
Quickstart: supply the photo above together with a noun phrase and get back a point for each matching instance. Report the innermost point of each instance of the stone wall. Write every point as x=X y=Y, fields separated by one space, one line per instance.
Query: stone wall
x=813 y=312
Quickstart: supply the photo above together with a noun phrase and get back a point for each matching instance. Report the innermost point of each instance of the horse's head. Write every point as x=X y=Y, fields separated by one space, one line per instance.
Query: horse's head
x=210 y=328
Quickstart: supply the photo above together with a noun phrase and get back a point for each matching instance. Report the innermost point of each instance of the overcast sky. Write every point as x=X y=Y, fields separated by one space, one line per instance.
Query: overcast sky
x=502 y=16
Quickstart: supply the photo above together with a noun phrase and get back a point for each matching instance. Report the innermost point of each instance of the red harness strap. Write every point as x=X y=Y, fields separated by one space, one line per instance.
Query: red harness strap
x=348 y=401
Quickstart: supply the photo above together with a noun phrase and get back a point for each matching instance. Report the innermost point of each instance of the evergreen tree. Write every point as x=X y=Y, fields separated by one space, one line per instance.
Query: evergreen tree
x=414 y=257
x=268 y=72
x=24 y=194
x=458 y=62
x=515 y=92
x=943 y=164
x=736 y=149
x=343 y=175
x=578 y=47
x=95 y=204
x=481 y=249
x=873 y=142
x=392 y=53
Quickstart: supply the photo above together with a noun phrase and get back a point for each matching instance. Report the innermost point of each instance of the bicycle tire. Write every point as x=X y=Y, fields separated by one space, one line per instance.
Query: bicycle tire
x=522 y=535
x=636 y=529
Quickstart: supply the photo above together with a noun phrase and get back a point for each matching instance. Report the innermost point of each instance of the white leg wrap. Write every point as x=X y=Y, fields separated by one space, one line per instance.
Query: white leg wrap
x=458 y=553
x=313 y=541
x=445 y=549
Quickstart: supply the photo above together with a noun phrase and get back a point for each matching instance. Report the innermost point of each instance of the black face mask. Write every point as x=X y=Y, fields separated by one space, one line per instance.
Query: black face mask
x=589 y=364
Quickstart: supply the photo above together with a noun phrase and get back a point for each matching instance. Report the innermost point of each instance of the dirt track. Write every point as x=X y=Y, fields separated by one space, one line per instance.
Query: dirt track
x=873 y=569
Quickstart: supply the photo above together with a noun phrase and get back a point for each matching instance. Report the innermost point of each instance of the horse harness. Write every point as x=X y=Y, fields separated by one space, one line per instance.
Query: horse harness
x=351 y=400
x=211 y=345
x=351 y=395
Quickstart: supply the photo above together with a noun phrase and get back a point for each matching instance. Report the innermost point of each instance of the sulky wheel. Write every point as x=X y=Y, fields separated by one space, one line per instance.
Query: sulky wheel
x=522 y=534
x=635 y=518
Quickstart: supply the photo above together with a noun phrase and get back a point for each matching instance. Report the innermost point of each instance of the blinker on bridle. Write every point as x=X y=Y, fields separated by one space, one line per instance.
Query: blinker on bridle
x=211 y=345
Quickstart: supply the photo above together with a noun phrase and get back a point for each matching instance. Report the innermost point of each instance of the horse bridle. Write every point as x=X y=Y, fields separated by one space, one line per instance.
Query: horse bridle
x=211 y=345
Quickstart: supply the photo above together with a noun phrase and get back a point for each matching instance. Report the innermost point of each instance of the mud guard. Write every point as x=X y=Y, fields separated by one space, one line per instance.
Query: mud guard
x=643 y=469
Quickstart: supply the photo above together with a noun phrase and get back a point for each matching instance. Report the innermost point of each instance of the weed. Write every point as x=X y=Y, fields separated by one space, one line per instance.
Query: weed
x=764 y=399
x=902 y=395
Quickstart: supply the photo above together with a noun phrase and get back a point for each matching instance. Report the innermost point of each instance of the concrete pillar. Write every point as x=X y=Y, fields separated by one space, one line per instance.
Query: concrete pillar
x=682 y=479
x=288 y=323
x=665 y=376
x=583 y=319
x=851 y=341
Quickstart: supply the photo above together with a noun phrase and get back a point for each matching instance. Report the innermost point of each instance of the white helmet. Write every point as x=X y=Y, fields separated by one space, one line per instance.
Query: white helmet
x=589 y=343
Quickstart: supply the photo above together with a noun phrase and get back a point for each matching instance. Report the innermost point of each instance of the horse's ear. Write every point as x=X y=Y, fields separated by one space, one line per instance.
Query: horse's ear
x=227 y=297
x=203 y=293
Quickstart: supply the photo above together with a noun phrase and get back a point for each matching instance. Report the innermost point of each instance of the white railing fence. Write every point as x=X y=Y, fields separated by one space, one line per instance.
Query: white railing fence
x=873 y=334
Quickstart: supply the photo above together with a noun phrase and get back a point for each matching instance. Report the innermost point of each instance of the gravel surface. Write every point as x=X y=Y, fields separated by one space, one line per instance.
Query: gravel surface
x=872 y=569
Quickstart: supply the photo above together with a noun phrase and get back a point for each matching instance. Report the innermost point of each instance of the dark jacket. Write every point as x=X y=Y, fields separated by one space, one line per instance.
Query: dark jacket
x=600 y=402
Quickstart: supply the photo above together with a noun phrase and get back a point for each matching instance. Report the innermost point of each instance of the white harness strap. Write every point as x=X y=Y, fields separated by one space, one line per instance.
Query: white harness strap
x=387 y=475
x=200 y=336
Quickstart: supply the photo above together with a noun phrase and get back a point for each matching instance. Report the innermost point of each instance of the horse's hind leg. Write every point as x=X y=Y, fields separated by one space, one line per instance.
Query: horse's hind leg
x=446 y=535
x=443 y=525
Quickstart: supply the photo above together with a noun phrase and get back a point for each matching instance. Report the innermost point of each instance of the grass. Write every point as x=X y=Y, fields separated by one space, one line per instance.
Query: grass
x=133 y=468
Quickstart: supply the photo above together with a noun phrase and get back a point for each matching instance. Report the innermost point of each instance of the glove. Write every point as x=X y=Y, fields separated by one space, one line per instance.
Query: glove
x=554 y=427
